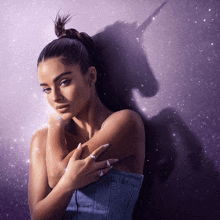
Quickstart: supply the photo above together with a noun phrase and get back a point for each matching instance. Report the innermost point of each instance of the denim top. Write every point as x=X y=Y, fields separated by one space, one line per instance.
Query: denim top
x=112 y=197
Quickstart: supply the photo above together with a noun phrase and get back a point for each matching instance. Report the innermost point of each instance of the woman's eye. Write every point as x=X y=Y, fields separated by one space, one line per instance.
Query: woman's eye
x=65 y=82
x=46 y=90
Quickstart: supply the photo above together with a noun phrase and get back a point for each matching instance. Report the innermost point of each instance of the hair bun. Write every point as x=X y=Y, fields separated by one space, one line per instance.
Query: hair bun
x=83 y=37
x=60 y=30
x=72 y=34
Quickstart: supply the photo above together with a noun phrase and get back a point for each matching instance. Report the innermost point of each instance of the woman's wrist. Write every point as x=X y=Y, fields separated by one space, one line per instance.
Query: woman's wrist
x=57 y=124
x=56 y=120
x=68 y=182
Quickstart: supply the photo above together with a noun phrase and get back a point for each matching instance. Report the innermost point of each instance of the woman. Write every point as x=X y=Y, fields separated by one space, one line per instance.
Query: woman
x=71 y=182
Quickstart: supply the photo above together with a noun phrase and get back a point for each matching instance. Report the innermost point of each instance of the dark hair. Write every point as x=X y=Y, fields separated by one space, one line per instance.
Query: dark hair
x=73 y=47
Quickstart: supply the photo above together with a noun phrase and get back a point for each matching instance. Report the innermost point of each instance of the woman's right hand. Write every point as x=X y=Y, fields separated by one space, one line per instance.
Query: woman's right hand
x=81 y=172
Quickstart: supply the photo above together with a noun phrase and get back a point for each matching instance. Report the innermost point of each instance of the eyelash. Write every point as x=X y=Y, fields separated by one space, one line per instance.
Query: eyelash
x=66 y=82
x=45 y=90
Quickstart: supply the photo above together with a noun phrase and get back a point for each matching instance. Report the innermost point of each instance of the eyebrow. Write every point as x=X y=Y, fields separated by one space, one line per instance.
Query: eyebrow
x=62 y=74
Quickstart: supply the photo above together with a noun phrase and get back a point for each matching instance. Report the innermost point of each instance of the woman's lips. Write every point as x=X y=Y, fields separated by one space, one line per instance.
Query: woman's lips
x=62 y=108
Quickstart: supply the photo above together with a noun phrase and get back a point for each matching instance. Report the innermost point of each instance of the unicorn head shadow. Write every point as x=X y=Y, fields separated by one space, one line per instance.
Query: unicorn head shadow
x=122 y=64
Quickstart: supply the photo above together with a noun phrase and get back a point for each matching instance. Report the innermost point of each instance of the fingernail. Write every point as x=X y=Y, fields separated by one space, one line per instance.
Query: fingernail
x=106 y=145
x=108 y=164
x=79 y=146
x=115 y=160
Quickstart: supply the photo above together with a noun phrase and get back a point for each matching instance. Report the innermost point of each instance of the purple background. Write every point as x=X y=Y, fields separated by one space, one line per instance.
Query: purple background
x=183 y=49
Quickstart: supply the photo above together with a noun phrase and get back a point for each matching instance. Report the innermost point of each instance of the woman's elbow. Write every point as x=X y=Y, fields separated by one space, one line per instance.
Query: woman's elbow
x=37 y=214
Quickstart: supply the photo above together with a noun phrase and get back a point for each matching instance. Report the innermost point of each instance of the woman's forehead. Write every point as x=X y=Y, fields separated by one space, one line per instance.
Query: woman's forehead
x=53 y=67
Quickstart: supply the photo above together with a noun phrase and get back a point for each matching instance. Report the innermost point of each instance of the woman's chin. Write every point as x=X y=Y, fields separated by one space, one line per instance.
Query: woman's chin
x=65 y=116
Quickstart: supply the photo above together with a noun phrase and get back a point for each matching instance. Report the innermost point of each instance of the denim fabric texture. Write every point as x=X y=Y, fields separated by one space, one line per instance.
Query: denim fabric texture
x=113 y=197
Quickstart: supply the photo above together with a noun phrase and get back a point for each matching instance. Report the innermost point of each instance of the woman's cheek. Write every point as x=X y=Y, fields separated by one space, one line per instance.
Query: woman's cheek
x=50 y=102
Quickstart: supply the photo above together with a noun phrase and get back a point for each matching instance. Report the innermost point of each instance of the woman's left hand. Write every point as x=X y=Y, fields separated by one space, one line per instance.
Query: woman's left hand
x=81 y=172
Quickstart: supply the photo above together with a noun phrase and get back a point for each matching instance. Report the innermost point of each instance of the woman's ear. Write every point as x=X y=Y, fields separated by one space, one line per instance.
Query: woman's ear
x=92 y=75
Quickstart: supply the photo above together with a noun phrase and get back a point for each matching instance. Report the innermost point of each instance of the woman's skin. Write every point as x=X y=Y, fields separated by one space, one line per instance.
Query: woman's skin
x=55 y=148
x=48 y=204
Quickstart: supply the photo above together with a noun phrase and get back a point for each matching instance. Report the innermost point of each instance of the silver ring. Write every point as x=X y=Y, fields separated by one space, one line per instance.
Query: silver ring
x=100 y=173
x=92 y=156
x=108 y=164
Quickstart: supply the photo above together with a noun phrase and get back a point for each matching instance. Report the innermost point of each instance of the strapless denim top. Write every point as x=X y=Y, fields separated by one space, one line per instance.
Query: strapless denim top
x=113 y=197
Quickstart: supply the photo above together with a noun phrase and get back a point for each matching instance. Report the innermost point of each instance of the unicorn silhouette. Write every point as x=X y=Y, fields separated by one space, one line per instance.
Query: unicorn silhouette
x=122 y=66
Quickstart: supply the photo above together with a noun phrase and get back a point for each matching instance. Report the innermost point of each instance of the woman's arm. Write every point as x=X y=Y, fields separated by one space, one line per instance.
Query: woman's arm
x=44 y=203
x=47 y=204
x=123 y=130
x=56 y=152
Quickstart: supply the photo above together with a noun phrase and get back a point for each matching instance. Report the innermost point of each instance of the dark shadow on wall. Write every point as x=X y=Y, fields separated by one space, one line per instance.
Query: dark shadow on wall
x=180 y=180
x=173 y=152
x=122 y=65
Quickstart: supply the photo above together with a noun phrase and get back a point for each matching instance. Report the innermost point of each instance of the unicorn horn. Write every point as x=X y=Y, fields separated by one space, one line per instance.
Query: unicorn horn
x=144 y=25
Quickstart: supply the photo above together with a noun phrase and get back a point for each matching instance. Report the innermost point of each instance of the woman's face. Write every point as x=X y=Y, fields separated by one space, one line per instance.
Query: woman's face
x=67 y=90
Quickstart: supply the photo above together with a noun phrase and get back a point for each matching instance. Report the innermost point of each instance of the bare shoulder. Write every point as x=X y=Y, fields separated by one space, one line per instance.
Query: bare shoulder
x=128 y=119
x=122 y=128
x=38 y=140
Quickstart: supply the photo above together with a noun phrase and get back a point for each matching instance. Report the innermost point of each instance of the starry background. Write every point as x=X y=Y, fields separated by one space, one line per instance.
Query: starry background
x=182 y=45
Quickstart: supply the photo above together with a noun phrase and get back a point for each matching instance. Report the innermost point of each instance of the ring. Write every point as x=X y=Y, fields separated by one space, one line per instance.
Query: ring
x=100 y=173
x=92 y=156
x=108 y=164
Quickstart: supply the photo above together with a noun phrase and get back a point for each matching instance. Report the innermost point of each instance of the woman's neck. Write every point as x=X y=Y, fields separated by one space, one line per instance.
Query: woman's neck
x=90 y=120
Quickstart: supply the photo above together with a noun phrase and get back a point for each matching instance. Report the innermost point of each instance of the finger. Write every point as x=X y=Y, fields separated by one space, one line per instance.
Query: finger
x=102 y=172
x=77 y=153
x=105 y=163
x=97 y=152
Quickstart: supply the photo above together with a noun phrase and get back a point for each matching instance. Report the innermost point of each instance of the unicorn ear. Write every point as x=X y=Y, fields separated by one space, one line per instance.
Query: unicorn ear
x=140 y=30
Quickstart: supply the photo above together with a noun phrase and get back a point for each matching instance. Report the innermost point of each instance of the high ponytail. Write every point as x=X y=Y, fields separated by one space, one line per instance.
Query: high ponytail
x=59 y=24
x=72 y=46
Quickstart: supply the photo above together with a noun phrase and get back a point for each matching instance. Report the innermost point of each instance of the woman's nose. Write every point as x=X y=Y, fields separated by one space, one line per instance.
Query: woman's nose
x=56 y=96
